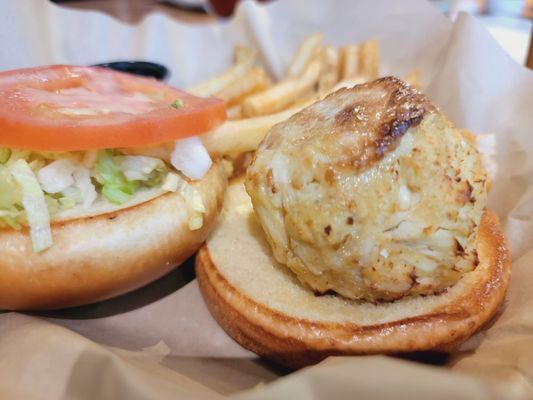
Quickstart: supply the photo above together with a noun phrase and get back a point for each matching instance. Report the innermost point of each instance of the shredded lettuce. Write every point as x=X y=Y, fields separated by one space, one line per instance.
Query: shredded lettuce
x=11 y=221
x=52 y=204
x=37 y=164
x=10 y=197
x=35 y=186
x=74 y=156
x=82 y=179
x=193 y=199
x=34 y=203
x=171 y=182
x=67 y=202
x=154 y=180
x=4 y=155
x=115 y=187
x=10 y=193
x=89 y=158
x=139 y=168
x=18 y=155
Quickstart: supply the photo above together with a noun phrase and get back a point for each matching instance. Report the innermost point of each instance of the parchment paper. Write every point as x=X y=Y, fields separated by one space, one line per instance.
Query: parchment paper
x=160 y=342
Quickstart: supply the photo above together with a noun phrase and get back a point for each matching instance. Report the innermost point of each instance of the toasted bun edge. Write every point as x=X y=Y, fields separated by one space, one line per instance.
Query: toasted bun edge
x=298 y=342
x=99 y=257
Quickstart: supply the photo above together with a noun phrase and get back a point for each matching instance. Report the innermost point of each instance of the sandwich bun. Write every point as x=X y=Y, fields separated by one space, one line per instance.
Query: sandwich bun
x=99 y=255
x=265 y=308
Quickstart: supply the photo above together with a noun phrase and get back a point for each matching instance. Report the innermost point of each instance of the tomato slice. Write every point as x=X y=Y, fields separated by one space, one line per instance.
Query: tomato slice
x=68 y=108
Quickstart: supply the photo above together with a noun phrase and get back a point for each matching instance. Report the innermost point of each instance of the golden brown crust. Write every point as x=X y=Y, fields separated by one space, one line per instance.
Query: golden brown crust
x=298 y=342
x=405 y=107
x=375 y=115
x=99 y=257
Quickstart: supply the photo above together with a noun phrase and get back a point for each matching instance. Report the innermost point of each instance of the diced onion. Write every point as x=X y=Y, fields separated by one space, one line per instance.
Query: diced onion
x=191 y=157
x=171 y=182
x=193 y=198
x=57 y=175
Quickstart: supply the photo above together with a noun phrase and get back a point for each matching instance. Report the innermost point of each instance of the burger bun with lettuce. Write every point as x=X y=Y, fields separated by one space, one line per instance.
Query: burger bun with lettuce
x=104 y=184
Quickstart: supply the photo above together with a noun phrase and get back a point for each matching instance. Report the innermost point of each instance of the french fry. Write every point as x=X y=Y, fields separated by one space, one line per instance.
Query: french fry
x=234 y=112
x=326 y=83
x=349 y=61
x=303 y=55
x=234 y=137
x=308 y=86
x=413 y=78
x=274 y=99
x=369 y=60
x=254 y=81
x=348 y=83
x=304 y=101
x=330 y=69
x=255 y=105
x=283 y=94
x=217 y=83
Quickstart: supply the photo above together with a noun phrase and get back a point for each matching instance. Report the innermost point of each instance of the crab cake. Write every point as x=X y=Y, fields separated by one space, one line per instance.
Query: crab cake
x=371 y=193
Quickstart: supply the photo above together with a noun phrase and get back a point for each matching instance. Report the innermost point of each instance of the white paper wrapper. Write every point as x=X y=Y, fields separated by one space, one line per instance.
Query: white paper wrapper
x=160 y=342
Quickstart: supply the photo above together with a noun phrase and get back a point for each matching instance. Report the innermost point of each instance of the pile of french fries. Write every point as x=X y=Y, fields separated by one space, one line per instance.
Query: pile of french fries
x=255 y=103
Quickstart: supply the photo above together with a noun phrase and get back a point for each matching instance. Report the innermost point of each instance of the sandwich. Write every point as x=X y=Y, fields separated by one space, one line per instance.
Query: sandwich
x=360 y=228
x=104 y=183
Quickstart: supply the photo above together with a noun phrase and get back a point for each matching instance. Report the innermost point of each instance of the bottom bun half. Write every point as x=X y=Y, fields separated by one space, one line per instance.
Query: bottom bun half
x=264 y=308
x=97 y=257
